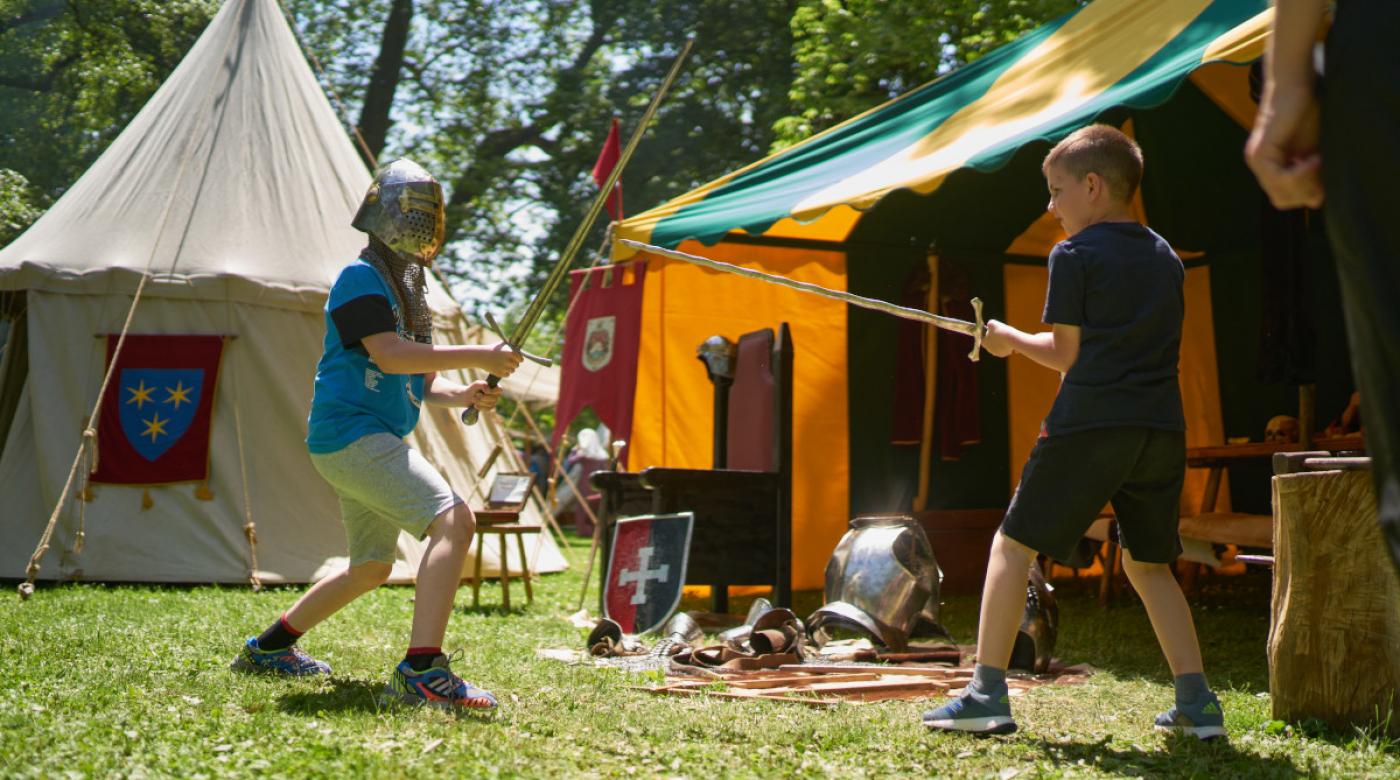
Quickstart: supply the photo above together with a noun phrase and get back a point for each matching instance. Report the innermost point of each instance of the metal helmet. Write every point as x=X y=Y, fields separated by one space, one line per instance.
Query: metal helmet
x=882 y=581
x=406 y=210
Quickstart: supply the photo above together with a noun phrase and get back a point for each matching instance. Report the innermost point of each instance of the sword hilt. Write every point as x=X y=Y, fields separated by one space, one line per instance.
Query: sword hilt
x=471 y=414
x=977 y=334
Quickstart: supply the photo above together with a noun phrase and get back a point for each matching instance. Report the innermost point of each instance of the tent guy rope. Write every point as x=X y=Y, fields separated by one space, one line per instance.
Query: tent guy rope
x=89 y=440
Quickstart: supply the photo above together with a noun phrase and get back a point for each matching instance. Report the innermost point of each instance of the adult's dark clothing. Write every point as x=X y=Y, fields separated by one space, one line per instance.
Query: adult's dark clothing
x=1360 y=163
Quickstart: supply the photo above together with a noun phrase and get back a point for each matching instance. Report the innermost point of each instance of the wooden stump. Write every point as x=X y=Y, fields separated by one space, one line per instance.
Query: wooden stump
x=1334 y=640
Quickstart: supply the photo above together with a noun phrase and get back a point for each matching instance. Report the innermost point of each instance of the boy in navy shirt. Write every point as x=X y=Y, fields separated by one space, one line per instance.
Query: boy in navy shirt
x=1116 y=431
x=378 y=366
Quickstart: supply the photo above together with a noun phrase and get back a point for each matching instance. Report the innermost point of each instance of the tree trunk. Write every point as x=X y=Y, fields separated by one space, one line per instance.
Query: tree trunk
x=384 y=79
x=1334 y=642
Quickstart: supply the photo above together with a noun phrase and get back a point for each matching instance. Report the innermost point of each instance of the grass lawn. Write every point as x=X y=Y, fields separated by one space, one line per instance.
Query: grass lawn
x=133 y=681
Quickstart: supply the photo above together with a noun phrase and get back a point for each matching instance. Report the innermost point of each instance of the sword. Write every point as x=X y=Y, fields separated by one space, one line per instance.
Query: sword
x=974 y=329
x=557 y=274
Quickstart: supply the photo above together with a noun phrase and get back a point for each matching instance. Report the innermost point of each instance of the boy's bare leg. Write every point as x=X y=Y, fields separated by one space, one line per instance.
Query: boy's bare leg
x=1169 y=613
x=1197 y=711
x=329 y=595
x=985 y=705
x=1003 y=600
x=439 y=574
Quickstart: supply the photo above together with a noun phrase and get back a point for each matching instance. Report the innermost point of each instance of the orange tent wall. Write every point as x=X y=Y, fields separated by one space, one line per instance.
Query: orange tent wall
x=673 y=417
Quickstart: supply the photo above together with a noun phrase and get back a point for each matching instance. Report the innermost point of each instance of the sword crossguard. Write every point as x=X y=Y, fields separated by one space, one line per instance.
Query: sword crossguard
x=977 y=334
x=471 y=414
x=495 y=328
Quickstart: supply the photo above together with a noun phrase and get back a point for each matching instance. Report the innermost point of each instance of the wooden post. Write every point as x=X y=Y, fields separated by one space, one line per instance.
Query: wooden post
x=1307 y=414
x=1334 y=640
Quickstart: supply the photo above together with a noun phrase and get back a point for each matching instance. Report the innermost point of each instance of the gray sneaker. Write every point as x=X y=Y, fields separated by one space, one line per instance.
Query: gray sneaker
x=980 y=714
x=1203 y=719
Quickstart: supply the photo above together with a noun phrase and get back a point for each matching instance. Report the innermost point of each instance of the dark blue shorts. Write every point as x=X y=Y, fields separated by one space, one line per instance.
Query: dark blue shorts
x=1069 y=478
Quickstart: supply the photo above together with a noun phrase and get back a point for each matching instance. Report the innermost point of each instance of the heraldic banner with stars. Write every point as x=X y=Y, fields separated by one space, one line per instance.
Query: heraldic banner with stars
x=601 y=340
x=153 y=428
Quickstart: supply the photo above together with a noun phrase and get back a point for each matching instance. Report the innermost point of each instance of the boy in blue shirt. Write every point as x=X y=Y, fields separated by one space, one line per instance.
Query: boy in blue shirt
x=378 y=366
x=1116 y=431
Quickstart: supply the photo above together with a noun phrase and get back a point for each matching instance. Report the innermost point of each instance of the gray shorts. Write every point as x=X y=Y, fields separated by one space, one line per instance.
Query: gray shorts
x=385 y=487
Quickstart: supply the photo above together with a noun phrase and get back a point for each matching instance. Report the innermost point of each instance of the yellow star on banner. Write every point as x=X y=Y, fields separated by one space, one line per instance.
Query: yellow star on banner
x=140 y=395
x=155 y=427
x=178 y=394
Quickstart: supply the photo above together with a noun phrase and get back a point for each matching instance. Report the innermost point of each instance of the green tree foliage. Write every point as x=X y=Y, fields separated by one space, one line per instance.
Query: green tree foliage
x=852 y=55
x=74 y=72
x=20 y=205
x=507 y=101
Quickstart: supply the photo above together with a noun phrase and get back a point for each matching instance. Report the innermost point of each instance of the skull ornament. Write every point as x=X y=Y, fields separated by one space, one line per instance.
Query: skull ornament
x=1282 y=429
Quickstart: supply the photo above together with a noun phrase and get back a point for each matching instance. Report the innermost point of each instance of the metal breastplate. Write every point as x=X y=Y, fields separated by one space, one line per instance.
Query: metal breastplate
x=882 y=581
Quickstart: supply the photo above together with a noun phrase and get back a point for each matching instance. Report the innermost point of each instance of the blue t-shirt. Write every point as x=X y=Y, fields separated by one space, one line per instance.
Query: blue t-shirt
x=1121 y=284
x=354 y=397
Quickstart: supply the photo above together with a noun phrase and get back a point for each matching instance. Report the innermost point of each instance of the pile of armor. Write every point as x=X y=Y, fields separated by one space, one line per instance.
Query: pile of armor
x=883 y=581
x=882 y=584
x=770 y=637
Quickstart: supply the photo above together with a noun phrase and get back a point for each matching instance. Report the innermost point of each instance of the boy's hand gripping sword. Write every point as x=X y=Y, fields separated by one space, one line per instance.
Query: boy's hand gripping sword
x=532 y=315
x=976 y=329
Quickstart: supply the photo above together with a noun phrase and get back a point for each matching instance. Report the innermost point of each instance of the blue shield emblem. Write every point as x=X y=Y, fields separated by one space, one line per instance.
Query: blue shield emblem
x=157 y=406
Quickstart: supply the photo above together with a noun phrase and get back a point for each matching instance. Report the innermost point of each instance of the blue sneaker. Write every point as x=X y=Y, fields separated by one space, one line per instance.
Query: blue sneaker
x=974 y=713
x=435 y=686
x=291 y=661
x=1203 y=720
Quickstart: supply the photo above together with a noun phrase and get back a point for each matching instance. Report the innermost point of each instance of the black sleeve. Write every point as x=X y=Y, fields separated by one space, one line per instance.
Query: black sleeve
x=1064 y=299
x=363 y=316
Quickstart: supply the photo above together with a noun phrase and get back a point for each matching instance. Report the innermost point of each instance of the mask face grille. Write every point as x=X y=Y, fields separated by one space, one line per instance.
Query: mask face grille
x=405 y=208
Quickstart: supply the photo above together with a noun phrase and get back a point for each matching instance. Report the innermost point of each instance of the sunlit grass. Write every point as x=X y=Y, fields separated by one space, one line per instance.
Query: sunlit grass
x=133 y=681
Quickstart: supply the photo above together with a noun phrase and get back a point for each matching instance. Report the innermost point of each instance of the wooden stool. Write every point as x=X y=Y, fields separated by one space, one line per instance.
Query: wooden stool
x=503 y=530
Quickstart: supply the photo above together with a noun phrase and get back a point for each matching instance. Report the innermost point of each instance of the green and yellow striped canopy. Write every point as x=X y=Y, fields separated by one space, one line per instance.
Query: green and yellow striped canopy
x=1108 y=54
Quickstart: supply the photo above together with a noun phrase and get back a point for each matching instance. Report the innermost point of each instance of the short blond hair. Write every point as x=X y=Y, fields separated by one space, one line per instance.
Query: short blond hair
x=1104 y=150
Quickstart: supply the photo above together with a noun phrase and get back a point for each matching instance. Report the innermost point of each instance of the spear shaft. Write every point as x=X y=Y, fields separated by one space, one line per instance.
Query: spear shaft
x=532 y=314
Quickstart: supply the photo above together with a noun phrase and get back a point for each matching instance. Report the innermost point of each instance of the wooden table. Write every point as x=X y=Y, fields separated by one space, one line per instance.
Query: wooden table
x=1239 y=528
x=1219 y=457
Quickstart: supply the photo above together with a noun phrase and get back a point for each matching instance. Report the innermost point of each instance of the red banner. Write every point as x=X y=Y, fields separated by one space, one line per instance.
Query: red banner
x=607 y=160
x=601 y=339
x=153 y=427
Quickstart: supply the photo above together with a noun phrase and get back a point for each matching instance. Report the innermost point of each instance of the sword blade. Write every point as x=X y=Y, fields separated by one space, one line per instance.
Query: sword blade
x=561 y=267
x=874 y=304
x=560 y=270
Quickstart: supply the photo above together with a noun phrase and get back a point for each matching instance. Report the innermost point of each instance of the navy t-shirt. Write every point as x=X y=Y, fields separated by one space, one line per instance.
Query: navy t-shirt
x=353 y=396
x=1121 y=284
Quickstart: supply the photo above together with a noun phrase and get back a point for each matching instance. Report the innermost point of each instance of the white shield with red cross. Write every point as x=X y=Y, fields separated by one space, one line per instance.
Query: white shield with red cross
x=646 y=570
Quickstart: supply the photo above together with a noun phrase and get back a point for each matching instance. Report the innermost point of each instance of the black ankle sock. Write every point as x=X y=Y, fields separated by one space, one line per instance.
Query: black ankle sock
x=421 y=658
x=278 y=636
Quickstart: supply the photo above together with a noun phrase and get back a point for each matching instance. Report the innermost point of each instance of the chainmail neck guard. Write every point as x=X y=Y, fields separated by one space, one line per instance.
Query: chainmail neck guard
x=409 y=282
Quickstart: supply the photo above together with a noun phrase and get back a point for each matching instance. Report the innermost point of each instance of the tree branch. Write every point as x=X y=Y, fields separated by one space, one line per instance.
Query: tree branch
x=384 y=79
x=502 y=141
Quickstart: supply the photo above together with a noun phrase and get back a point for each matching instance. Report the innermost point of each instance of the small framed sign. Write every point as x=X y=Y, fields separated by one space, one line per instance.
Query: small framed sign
x=509 y=490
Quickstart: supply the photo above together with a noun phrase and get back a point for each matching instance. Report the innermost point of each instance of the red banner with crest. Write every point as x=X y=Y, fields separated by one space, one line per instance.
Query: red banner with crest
x=153 y=426
x=601 y=339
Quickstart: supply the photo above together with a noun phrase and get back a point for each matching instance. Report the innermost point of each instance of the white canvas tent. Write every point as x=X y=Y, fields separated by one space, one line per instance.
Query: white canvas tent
x=236 y=184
